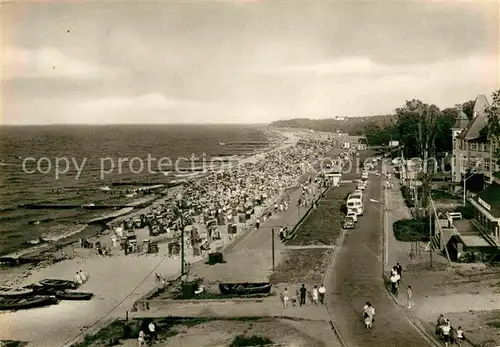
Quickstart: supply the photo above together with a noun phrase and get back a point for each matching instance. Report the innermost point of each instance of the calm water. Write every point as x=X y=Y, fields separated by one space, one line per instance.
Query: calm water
x=101 y=147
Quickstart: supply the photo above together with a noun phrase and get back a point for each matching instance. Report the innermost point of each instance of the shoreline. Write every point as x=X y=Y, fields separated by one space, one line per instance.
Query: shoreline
x=34 y=255
x=133 y=279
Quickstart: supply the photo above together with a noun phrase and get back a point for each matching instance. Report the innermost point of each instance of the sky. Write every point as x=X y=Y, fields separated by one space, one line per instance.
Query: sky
x=241 y=61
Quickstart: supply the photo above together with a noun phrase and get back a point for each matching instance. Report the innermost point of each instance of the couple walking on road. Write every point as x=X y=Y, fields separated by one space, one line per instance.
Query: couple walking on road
x=316 y=296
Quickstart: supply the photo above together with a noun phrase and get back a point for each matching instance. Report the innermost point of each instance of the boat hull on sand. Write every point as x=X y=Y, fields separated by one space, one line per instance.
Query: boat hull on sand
x=26 y=303
x=15 y=292
x=59 y=284
x=64 y=295
x=245 y=288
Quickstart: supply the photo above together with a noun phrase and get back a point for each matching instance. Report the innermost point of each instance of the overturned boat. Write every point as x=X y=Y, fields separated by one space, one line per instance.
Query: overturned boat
x=26 y=303
x=245 y=288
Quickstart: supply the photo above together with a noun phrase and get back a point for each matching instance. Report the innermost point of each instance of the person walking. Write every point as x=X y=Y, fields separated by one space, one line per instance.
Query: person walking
x=369 y=315
x=399 y=272
x=446 y=330
x=460 y=336
x=315 y=295
x=303 y=292
x=142 y=339
x=83 y=276
x=394 y=283
x=322 y=292
x=409 y=296
x=152 y=331
x=78 y=279
x=286 y=297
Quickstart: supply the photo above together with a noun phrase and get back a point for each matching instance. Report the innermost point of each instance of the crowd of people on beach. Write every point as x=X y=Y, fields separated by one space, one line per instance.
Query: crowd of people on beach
x=235 y=197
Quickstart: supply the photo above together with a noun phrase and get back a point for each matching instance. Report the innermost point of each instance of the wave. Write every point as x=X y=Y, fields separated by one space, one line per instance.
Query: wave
x=60 y=232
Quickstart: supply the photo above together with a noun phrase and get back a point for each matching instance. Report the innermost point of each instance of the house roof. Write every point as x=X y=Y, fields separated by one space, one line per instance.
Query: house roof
x=479 y=120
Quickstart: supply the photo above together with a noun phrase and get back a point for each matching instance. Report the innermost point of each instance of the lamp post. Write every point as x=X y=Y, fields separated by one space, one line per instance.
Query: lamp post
x=465 y=182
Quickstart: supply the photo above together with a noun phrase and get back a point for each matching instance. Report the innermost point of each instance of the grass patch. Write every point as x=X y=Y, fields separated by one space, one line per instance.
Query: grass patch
x=111 y=334
x=323 y=225
x=107 y=336
x=411 y=230
x=494 y=324
x=302 y=266
x=253 y=340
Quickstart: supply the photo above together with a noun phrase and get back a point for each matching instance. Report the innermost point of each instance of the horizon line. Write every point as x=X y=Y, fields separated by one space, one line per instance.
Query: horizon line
x=128 y=124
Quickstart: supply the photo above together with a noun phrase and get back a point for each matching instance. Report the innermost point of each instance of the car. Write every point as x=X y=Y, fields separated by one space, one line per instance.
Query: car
x=361 y=186
x=348 y=223
x=364 y=175
x=353 y=216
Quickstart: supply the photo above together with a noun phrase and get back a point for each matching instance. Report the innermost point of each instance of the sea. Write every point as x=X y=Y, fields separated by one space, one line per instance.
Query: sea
x=81 y=165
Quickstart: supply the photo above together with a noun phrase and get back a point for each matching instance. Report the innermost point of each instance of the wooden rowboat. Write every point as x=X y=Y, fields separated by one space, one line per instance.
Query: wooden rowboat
x=15 y=292
x=59 y=284
x=64 y=295
x=25 y=303
x=245 y=288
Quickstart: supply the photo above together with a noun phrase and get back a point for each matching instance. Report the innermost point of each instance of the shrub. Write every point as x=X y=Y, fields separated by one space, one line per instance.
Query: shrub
x=467 y=211
x=412 y=230
x=405 y=191
x=254 y=340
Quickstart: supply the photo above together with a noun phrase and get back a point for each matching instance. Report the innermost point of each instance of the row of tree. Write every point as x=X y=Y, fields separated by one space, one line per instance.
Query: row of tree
x=410 y=125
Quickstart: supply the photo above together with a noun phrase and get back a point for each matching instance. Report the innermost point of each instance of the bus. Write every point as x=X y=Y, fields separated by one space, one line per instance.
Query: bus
x=355 y=204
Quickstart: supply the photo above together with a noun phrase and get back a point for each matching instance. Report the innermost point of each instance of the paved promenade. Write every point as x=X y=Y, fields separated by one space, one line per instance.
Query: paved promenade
x=356 y=277
x=267 y=307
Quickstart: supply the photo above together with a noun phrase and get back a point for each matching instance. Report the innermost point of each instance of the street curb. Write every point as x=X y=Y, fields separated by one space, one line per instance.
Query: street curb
x=431 y=341
x=297 y=319
x=229 y=300
x=329 y=272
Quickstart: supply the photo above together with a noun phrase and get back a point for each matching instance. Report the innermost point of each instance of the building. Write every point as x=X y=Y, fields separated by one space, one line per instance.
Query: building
x=473 y=155
x=472 y=149
x=461 y=240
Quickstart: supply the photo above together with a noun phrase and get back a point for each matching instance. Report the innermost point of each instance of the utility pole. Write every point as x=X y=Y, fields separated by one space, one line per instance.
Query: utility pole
x=181 y=217
x=272 y=245
x=430 y=232
x=182 y=248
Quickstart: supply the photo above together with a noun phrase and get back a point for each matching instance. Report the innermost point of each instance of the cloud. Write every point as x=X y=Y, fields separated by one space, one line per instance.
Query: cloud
x=353 y=65
x=152 y=101
x=47 y=62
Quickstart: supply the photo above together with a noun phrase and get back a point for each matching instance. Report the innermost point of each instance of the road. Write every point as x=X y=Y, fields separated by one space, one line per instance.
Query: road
x=356 y=277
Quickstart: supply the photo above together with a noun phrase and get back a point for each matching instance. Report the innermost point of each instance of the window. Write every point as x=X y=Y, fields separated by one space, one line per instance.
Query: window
x=473 y=146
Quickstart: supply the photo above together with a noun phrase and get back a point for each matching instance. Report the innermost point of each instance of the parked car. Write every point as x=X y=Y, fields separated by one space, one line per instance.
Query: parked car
x=353 y=216
x=348 y=223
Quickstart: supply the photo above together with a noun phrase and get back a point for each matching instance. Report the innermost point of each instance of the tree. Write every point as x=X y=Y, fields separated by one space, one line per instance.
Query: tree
x=418 y=125
x=468 y=108
x=444 y=140
x=493 y=123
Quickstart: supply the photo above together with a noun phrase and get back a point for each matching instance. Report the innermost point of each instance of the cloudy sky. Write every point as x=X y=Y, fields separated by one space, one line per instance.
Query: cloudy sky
x=242 y=61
